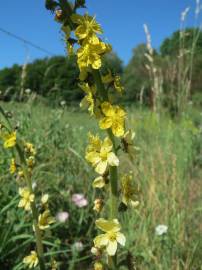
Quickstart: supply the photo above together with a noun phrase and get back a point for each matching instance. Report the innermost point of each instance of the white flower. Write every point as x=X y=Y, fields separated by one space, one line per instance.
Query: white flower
x=62 y=216
x=161 y=229
x=78 y=246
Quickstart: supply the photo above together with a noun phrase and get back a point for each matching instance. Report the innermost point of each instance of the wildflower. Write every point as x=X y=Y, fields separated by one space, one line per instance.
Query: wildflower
x=30 y=149
x=101 y=156
x=117 y=84
x=31 y=260
x=45 y=220
x=88 y=100
x=113 y=118
x=62 y=216
x=98 y=204
x=13 y=166
x=34 y=185
x=87 y=27
x=128 y=191
x=9 y=140
x=30 y=161
x=44 y=199
x=161 y=229
x=79 y=200
x=99 y=182
x=98 y=266
x=27 y=198
x=78 y=246
x=95 y=251
x=94 y=143
x=111 y=237
x=89 y=55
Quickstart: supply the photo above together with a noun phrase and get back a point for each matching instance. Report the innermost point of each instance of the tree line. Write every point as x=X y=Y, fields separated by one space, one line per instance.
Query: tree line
x=179 y=58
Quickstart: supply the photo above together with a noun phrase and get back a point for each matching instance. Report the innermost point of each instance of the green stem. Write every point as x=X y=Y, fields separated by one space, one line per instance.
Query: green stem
x=113 y=172
x=39 y=243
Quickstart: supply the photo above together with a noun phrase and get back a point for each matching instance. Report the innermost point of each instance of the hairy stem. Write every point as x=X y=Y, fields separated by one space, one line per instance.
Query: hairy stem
x=113 y=172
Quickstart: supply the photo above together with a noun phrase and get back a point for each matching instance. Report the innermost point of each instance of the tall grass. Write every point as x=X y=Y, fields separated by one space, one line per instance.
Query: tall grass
x=167 y=183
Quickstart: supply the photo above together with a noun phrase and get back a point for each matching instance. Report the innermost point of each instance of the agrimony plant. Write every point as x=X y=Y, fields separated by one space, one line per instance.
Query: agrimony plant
x=83 y=38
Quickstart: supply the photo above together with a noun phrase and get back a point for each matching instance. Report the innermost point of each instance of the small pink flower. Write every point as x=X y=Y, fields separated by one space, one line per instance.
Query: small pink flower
x=79 y=200
x=62 y=216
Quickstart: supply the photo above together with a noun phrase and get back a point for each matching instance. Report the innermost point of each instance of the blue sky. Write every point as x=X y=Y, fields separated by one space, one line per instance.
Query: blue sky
x=122 y=22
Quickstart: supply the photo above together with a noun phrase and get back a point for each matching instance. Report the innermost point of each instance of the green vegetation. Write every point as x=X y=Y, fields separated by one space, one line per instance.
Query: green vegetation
x=167 y=169
x=56 y=78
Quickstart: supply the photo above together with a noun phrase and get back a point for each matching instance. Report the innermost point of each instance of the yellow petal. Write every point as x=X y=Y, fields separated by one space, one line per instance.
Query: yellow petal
x=10 y=140
x=97 y=63
x=105 y=123
x=112 y=159
x=107 y=109
x=108 y=225
x=81 y=32
x=99 y=182
x=118 y=129
x=101 y=240
x=101 y=167
x=92 y=157
x=111 y=248
x=121 y=239
x=107 y=144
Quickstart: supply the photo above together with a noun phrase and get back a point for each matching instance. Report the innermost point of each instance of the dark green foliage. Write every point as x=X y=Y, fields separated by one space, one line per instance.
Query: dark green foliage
x=55 y=78
x=171 y=45
x=136 y=75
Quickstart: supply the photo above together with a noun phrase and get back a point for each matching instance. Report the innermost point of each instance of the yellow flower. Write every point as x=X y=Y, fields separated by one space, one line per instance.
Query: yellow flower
x=113 y=118
x=88 y=100
x=20 y=174
x=98 y=266
x=89 y=55
x=101 y=156
x=44 y=199
x=99 y=182
x=13 y=166
x=128 y=191
x=30 y=149
x=87 y=27
x=45 y=220
x=27 y=198
x=31 y=260
x=94 y=143
x=111 y=237
x=117 y=84
x=98 y=204
x=30 y=161
x=9 y=140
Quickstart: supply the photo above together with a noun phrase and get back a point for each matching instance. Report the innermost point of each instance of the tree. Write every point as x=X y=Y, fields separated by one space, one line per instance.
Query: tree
x=136 y=75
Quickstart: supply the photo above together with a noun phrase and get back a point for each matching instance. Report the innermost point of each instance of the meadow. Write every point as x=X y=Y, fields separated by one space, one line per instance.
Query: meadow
x=167 y=171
